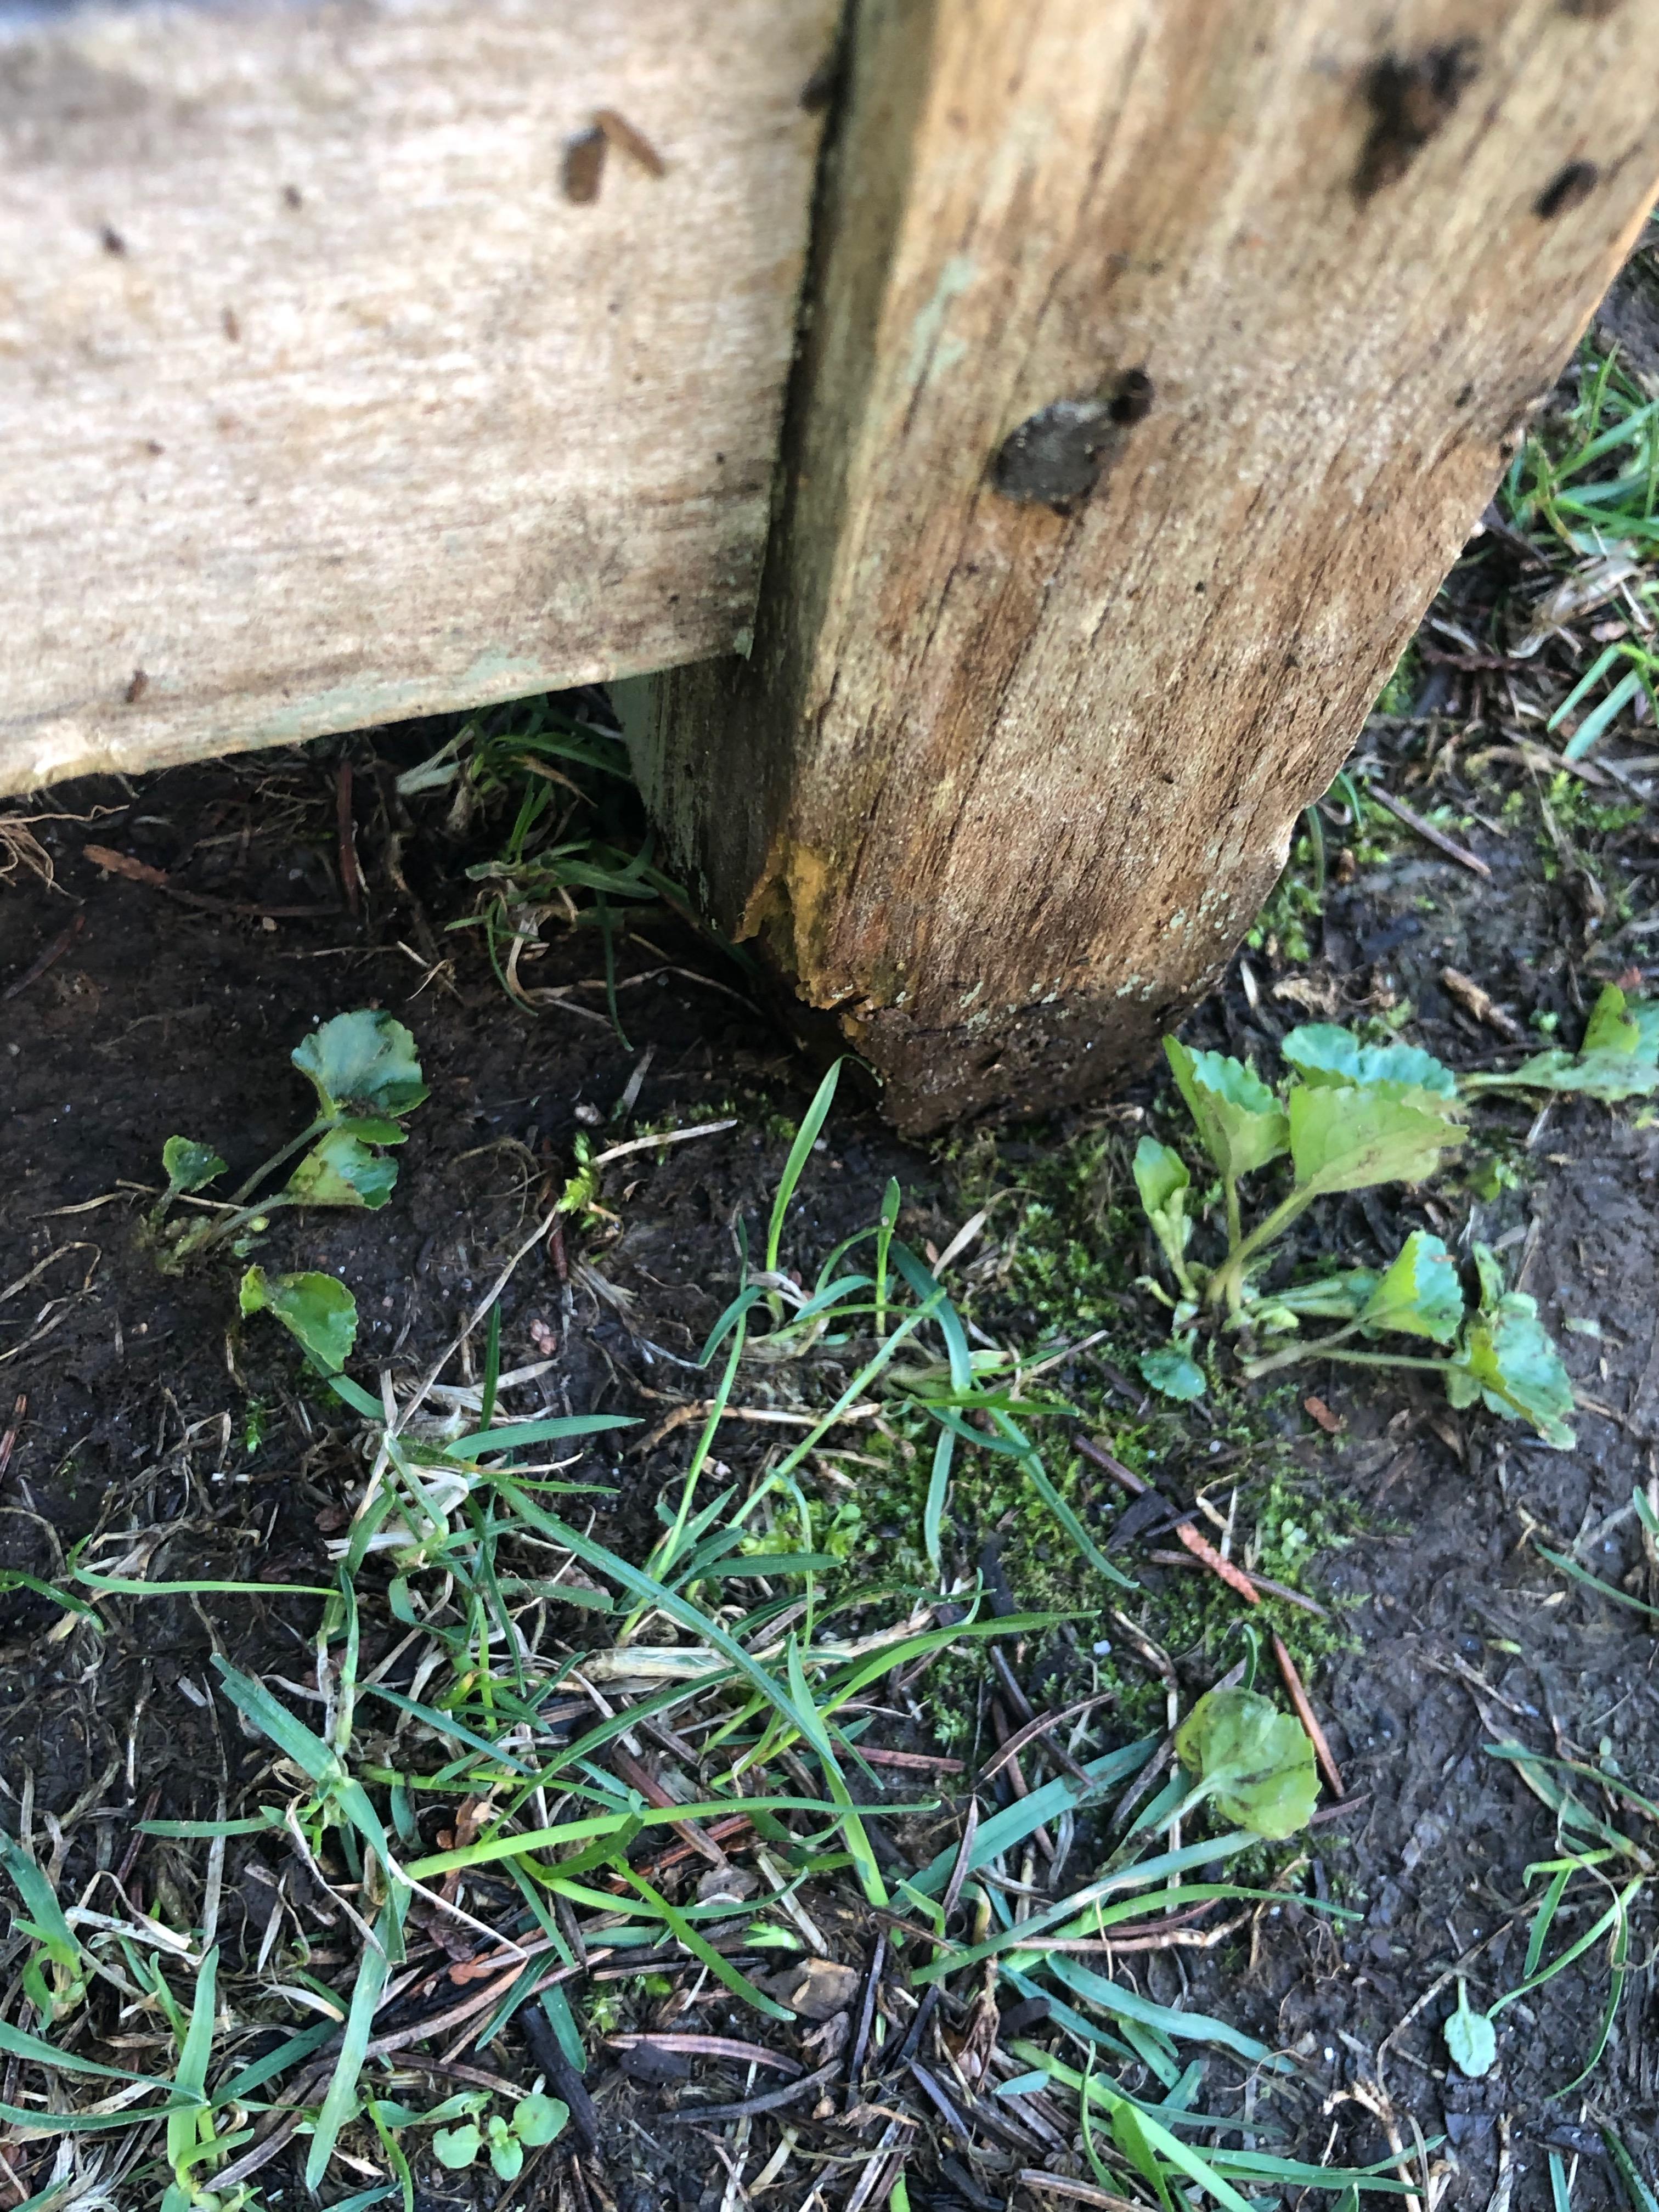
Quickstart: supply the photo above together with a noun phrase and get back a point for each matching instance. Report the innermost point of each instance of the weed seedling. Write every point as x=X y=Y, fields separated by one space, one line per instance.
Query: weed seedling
x=1352 y=1115
x=363 y=1069
x=1255 y=1762
x=536 y=2119
x=55 y=1974
x=1618 y=1059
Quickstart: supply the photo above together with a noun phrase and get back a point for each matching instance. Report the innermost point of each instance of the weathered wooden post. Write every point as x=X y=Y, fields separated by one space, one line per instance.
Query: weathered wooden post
x=1160 y=354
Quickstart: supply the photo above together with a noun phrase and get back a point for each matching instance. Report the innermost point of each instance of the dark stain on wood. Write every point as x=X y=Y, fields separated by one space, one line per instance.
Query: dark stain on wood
x=584 y=166
x=1410 y=101
x=1058 y=454
x=1570 y=188
x=1131 y=398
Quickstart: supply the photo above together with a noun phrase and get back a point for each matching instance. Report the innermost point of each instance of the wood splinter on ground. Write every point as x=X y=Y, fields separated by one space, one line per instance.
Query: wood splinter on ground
x=1470 y=996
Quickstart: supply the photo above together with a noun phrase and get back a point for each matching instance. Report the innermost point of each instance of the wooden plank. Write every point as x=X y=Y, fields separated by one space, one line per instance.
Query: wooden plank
x=321 y=404
x=1016 y=779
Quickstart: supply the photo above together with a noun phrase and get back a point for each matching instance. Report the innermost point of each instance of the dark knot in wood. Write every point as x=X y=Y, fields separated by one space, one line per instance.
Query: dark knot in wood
x=1410 y=101
x=1058 y=454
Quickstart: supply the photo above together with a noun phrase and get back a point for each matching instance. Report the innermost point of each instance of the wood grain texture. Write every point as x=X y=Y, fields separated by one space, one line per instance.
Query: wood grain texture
x=1015 y=780
x=320 y=403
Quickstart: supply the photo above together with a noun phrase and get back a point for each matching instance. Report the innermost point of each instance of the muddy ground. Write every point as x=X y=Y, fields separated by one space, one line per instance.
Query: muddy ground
x=142 y=1404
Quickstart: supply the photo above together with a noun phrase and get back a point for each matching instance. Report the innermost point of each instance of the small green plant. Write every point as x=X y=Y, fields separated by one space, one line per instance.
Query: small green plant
x=1504 y=1358
x=536 y=2119
x=55 y=1974
x=1590 y=477
x=1618 y=1059
x=317 y=1309
x=1641 y=669
x=1471 y=2038
x=1352 y=1115
x=1256 y=1762
x=579 y=851
x=364 y=1071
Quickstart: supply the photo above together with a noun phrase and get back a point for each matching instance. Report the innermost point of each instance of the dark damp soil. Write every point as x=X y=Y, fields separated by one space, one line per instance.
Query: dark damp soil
x=141 y=1403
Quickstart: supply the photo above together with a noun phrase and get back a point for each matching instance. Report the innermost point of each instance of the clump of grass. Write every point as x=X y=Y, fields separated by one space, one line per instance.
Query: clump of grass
x=576 y=850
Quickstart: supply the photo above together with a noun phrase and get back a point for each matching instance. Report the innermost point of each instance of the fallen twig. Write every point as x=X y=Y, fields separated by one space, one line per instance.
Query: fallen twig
x=768 y=2101
x=352 y=877
x=866 y=2017
x=710 y=2046
x=15 y=1429
x=920 y=1762
x=1234 y=1577
x=1430 y=833
x=1470 y=996
x=140 y=872
x=1263 y=1584
x=1305 y=1713
x=1081 y=2192
x=1039 y=1727
x=566 y=2081
x=663 y=1137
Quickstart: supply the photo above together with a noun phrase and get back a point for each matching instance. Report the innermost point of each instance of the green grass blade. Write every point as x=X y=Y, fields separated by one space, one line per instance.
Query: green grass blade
x=928 y=1288
x=722 y=1969
x=1004 y=1829
x=1569 y=1566
x=308 y=1752
x=241 y=2085
x=185 y=2128
x=1640 y=2192
x=492 y=1369
x=676 y=1609
x=18 y=2043
x=1545 y=1916
x=800 y=1153
x=512 y=1435
x=1180 y=2027
x=1038 y=1478
x=1142 y=1875
x=40 y=1903
x=939 y=1489
x=374 y=1968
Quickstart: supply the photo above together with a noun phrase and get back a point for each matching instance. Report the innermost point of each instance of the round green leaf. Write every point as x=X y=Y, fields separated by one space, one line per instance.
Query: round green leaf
x=340 y=1169
x=1160 y=1172
x=456 y=2148
x=1471 y=2038
x=1170 y=1370
x=1241 y=1122
x=365 y=1060
x=1346 y=1138
x=188 y=1164
x=317 y=1309
x=538 y=2119
x=1509 y=1359
x=506 y=2151
x=1256 y=1762
x=1610 y=1028
x=1420 y=1294
x=1324 y=1055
